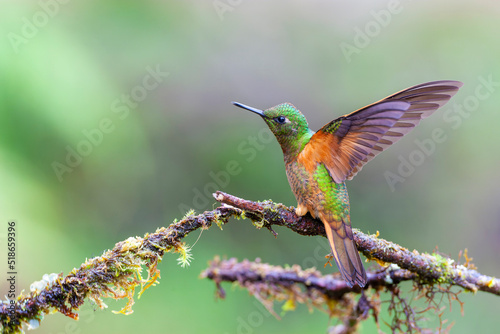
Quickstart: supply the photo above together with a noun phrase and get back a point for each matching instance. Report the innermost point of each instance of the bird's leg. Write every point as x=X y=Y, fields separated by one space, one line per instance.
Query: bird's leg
x=300 y=210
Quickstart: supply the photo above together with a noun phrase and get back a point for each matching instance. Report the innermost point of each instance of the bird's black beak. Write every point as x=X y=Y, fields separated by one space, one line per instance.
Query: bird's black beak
x=257 y=111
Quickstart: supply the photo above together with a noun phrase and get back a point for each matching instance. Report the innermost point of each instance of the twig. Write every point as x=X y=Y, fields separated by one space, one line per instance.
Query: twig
x=254 y=272
x=114 y=274
x=292 y=285
x=429 y=268
x=117 y=272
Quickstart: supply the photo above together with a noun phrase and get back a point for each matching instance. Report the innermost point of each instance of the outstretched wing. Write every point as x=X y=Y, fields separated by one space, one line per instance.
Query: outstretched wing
x=346 y=144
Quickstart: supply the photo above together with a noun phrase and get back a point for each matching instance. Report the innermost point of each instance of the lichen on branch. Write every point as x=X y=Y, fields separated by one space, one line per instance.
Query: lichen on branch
x=115 y=274
x=118 y=272
x=291 y=286
x=430 y=268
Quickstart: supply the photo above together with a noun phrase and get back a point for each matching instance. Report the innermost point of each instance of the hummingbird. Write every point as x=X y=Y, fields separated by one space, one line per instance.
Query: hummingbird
x=319 y=163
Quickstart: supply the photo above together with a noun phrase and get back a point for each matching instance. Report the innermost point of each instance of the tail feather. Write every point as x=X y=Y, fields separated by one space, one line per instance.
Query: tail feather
x=345 y=253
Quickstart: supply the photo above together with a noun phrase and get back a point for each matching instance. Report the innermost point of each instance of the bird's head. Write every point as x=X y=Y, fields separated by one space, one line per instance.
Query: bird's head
x=287 y=124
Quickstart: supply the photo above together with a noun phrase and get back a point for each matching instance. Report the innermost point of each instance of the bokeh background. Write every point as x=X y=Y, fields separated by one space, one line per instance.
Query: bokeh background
x=66 y=67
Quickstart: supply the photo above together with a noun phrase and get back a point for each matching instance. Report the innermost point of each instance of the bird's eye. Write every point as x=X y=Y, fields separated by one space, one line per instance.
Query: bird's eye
x=281 y=119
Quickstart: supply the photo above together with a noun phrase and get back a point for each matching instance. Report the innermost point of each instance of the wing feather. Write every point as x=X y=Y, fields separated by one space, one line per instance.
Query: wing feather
x=346 y=144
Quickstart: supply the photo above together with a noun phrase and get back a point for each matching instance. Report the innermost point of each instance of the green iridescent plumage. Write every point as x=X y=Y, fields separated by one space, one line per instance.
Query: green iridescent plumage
x=334 y=197
x=333 y=126
x=294 y=133
x=318 y=163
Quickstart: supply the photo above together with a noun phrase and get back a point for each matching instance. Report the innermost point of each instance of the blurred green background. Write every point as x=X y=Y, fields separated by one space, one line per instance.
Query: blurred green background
x=71 y=70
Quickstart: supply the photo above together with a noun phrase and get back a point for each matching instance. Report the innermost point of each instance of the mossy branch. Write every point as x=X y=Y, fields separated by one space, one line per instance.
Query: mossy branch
x=252 y=272
x=330 y=293
x=117 y=272
x=431 y=268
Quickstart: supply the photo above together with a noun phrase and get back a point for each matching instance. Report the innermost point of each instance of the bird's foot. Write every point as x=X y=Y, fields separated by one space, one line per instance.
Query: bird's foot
x=300 y=210
x=328 y=258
